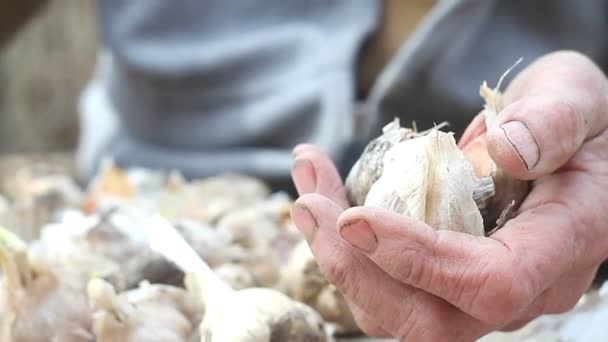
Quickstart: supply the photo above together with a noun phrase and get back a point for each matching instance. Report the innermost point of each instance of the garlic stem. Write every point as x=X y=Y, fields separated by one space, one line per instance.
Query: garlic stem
x=165 y=239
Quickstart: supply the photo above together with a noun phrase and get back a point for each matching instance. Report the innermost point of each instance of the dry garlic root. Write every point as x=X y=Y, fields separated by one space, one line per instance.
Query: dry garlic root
x=302 y=280
x=148 y=313
x=37 y=304
x=427 y=177
x=253 y=314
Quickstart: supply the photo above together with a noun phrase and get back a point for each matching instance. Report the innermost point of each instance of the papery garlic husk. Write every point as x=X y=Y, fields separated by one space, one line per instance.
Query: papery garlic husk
x=429 y=179
x=149 y=313
x=368 y=168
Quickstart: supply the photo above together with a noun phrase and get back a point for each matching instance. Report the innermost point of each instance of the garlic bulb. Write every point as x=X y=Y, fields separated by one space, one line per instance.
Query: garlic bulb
x=426 y=176
x=302 y=280
x=429 y=179
x=148 y=313
x=236 y=276
x=368 y=168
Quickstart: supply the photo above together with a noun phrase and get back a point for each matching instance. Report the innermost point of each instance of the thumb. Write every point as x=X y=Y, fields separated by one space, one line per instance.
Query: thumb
x=553 y=106
x=536 y=136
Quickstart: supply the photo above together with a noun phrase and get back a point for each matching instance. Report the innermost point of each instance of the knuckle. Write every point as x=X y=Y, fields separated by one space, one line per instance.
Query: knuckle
x=502 y=297
x=340 y=273
x=363 y=321
x=416 y=272
x=370 y=328
x=426 y=330
x=569 y=124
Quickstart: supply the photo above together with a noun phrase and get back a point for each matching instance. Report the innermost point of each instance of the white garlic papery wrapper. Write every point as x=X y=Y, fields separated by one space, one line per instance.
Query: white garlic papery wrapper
x=428 y=178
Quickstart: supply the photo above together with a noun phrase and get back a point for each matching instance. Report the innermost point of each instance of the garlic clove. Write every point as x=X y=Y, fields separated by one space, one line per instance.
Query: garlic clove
x=366 y=171
x=429 y=179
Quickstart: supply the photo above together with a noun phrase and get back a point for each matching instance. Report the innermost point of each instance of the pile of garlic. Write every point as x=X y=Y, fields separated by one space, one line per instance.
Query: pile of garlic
x=86 y=270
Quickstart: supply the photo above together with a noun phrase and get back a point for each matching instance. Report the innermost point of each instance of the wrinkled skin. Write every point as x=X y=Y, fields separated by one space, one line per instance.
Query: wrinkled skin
x=414 y=283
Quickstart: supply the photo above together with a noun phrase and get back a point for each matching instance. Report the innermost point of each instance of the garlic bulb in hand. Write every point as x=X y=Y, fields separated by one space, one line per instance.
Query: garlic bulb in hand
x=429 y=179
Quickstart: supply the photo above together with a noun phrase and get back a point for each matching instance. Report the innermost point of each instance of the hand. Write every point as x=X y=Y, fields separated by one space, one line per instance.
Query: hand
x=406 y=280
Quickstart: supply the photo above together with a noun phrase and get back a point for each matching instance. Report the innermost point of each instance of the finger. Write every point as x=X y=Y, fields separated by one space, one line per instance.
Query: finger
x=313 y=171
x=472 y=273
x=308 y=226
x=476 y=151
x=476 y=274
x=476 y=128
x=551 y=109
x=401 y=310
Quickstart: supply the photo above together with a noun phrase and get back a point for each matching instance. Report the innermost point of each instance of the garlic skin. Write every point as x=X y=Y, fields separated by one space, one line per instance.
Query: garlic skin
x=368 y=168
x=429 y=179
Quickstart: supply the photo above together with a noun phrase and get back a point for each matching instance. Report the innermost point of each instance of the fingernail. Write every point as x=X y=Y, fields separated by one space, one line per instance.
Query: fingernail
x=296 y=150
x=304 y=176
x=359 y=234
x=523 y=142
x=303 y=220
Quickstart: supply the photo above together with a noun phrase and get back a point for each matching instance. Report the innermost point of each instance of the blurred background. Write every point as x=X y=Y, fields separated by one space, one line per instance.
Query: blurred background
x=43 y=68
